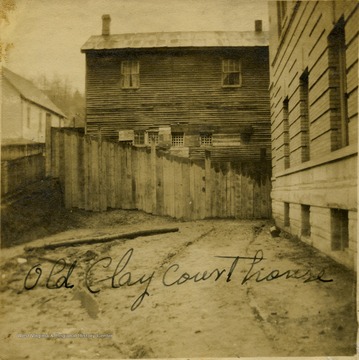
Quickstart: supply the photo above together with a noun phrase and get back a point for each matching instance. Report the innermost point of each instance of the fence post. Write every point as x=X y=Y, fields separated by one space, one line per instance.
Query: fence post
x=208 y=182
x=153 y=178
x=48 y=148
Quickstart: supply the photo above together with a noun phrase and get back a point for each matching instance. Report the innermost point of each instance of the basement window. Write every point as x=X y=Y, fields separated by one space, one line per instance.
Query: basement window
x=231 y=73
x=305 y=220
x=263 y=154
x=153 y=137
x=130 y=74
x=178 y=139
x=206 y=139
x=286 y=214
x=139 y=138
x=339 y=229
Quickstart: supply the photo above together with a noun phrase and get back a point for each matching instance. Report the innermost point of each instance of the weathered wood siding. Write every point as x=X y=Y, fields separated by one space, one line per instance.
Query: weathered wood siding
x=99 y=174
x=15 y=151
x=17 y=173
x=179 y=86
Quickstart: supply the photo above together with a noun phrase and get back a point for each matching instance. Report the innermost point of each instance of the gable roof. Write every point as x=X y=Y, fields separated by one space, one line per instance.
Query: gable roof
x=185 y=39
x=30 y=92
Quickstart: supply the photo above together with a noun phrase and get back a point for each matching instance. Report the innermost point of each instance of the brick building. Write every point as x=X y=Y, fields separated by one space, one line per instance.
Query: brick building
x=314 y=113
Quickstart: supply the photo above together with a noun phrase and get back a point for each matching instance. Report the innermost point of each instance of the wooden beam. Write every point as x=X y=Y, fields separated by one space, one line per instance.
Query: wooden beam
x=103 y=239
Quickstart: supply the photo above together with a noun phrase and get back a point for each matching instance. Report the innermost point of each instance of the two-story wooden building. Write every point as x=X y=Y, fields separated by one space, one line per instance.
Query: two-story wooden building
x=314 y=115
x=186 y=91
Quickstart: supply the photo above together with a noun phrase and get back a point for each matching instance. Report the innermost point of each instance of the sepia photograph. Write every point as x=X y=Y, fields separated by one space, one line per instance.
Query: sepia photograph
x=178 y=179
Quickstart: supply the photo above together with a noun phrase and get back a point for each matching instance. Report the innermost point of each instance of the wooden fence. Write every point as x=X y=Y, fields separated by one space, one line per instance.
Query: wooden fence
x=97 y=175
x=17 y=173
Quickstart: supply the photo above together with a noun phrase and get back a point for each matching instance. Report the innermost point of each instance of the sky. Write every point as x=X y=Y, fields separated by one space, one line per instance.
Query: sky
x=46 y=35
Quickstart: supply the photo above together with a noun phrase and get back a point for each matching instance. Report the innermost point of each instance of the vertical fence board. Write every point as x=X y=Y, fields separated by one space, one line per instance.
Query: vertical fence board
x=74 y=170
x=153 y=178
x=67 y=158
x=167 y=185
x=159 y=185
x=193 y=202
x=81 y=172
x=201 y=176
x=134 y=163
x=95 y=184
x=186 y=185
x=208 y=186
x=177 y=188
x=117 y=175
x=103 y=171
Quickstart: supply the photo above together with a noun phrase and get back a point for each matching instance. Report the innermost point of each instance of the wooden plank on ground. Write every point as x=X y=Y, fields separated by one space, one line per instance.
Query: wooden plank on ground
x=103 y=239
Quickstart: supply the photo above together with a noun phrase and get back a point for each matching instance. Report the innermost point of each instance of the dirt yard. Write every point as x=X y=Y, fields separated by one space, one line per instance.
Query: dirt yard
x=215 y=288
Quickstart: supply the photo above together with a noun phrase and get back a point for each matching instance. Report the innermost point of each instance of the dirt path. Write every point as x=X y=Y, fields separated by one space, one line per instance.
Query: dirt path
x=196 y=318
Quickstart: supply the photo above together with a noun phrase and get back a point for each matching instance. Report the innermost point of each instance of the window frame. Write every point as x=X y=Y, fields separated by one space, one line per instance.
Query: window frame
x=286 y=132
x=139 y=137
x=339 y=229
x=338 y=82
x=282 y=10
x=153 y=135
x=203 y=136
x=305 y=220
x=304 y=115
x=227 y=64
x=131 y=73
x=175 y=143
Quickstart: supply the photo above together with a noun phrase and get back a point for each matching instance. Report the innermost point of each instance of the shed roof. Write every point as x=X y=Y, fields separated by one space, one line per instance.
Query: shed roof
x=186 y=39
x=30 y=92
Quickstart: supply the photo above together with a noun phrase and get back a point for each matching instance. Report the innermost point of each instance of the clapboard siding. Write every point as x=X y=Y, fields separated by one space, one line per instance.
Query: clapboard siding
x=181 y=86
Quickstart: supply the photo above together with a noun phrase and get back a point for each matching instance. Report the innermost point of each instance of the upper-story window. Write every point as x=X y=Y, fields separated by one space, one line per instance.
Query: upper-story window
x=282 y=12
x=338 y=84
x=130 y=74
x=231 y=73
x=304 y=115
